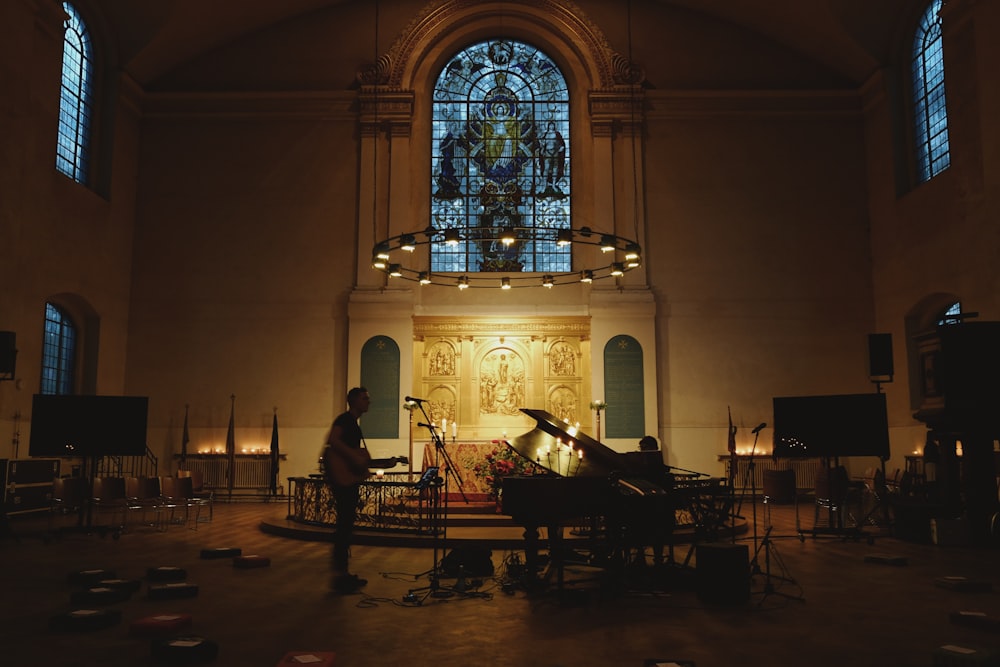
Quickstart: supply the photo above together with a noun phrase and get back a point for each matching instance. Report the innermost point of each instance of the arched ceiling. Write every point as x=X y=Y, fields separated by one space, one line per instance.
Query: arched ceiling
x=850 y=37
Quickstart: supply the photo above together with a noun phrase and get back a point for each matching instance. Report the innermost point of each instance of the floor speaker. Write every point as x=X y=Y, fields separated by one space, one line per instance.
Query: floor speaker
x=880 y=355
x=722 y=573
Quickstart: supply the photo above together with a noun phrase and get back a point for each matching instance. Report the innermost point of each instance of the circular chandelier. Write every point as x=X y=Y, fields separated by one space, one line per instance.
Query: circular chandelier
x=623 y=255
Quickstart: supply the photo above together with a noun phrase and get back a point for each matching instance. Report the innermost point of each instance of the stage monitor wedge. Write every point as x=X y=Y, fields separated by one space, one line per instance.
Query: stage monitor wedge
x=74 y=426
x=831 y=426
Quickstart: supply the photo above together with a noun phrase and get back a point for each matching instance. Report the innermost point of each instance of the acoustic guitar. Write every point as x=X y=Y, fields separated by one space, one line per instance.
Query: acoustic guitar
x=344 y=466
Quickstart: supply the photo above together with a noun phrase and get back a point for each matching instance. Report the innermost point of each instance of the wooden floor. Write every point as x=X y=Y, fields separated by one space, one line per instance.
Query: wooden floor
x=823 y=605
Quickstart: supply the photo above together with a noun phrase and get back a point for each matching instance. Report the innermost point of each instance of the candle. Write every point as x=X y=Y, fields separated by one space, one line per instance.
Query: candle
x=444 y=425
x=454 y=429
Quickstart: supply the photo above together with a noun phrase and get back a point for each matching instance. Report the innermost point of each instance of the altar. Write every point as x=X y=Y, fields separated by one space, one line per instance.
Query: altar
x=465 y=456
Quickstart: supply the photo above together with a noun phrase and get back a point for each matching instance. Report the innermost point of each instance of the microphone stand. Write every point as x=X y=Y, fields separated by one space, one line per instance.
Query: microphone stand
x=770 y=550
x=439 y=527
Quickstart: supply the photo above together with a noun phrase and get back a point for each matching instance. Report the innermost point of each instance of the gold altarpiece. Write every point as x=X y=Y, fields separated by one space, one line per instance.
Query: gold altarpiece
x=477 y=372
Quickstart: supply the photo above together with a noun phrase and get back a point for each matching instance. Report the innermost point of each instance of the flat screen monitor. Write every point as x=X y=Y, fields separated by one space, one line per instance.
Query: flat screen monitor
x=831 y=426
x=88 y=425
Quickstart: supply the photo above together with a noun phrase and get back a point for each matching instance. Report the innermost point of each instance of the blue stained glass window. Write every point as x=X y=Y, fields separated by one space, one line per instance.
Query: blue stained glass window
x=500 y=159
x=75 y=98
x=58 y=352
x=930 y=110
x=952 y=314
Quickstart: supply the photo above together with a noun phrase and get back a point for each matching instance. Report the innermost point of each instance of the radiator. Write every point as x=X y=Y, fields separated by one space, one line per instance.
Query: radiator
x=249 y=472
x=805 y=471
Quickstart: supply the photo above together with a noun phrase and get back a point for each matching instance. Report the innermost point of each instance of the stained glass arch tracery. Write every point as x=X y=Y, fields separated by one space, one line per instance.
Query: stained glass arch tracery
x=500 y=159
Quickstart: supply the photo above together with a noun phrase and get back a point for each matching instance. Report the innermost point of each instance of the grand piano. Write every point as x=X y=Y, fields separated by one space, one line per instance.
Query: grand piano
x=629 y=500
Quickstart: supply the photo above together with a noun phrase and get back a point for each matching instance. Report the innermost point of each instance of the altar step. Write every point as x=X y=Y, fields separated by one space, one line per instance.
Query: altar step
x=466 y=526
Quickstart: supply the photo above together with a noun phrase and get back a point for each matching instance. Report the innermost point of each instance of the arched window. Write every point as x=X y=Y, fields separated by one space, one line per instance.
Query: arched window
x=58 y=352
x=76 y=98
x=500 y=148
x=930 y=113
x=951 y=315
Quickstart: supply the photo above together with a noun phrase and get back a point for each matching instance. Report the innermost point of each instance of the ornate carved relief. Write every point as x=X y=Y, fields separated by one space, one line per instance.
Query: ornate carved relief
x=501 y=382
x=562 y=359
x=442 y=402
x=564 y=403
x=440 y=359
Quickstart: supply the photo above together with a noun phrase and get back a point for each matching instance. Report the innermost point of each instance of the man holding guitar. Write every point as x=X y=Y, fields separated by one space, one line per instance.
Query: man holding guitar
x=345 y=463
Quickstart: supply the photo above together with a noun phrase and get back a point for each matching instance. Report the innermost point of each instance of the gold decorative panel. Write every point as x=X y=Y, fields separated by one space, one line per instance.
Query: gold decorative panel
x=477 y=373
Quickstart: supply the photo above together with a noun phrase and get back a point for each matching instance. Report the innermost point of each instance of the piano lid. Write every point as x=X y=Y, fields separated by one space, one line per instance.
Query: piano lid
x=541 y=447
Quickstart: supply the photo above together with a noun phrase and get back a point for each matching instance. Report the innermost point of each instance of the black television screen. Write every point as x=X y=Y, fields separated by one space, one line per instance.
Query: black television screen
x=830 y=426
x=88 y=425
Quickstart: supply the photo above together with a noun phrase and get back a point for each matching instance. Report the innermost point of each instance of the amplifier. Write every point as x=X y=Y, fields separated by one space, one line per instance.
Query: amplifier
x=27 y=484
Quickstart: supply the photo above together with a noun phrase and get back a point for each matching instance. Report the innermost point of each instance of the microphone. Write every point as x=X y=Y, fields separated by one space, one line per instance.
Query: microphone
x=761 y=426
x=410 y=399
x=423 y=425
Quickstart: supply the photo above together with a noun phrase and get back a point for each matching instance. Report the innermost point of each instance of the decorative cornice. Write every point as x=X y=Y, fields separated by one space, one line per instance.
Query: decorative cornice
x=513 y=326
x=621 y=109
x=390 y=109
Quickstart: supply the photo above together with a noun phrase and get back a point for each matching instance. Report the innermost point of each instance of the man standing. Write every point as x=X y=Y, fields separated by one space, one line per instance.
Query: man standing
x=346 y=461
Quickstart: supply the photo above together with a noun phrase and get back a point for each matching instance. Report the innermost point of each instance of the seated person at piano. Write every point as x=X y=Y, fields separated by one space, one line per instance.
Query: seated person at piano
x=649 y=456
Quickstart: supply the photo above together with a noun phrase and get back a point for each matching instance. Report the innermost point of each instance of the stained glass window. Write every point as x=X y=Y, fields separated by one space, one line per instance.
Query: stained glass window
x=500 y=150
x=75 y=98
x=930 y=110
x=58 y=352
x=951 y=315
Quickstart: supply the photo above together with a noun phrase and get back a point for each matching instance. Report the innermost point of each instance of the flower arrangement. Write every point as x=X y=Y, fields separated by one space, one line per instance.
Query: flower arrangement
x=499 y=463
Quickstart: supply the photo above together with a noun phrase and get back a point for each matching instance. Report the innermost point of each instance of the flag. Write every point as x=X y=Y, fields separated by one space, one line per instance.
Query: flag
x=274 y=455
x=231 y=444
x=732 y=433
x=185 y=439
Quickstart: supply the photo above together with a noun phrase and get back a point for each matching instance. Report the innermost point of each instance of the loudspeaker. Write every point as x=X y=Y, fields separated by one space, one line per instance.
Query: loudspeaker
x=8 y=353
x=471 y=561
x=880 y=355
x=722 y=573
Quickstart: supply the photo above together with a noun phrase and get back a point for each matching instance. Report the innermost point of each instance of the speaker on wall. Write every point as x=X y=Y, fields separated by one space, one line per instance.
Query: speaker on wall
x=880 y=356
x=8 y=354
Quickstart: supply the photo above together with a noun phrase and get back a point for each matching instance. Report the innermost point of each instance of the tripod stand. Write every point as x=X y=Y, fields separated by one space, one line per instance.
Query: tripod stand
x=439 y=528
x=766 y=544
